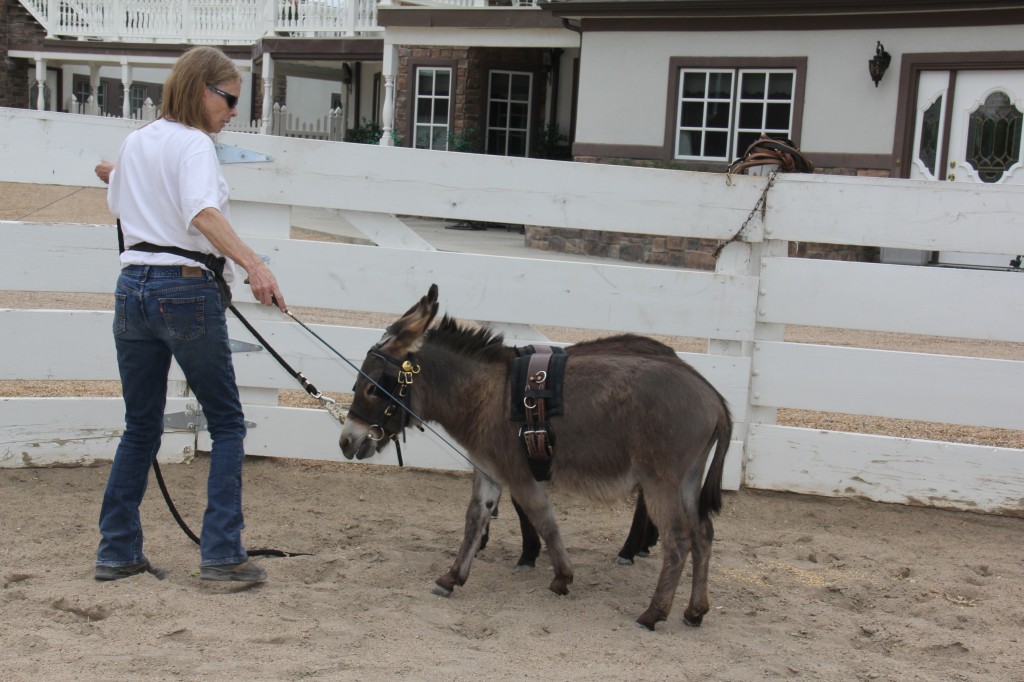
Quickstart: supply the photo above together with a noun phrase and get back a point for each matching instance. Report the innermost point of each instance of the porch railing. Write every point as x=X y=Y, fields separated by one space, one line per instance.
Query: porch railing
x=203 y=21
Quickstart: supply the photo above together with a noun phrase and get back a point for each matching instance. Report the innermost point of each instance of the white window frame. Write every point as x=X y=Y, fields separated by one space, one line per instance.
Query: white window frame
x=505 y=99
x=734 y=102
x=431 y=125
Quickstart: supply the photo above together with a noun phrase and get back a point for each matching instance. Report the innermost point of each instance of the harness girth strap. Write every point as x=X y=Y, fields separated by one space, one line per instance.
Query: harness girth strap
x=535 y=433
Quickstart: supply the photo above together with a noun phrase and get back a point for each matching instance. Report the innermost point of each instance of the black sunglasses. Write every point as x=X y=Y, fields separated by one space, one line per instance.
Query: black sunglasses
x=232 y=100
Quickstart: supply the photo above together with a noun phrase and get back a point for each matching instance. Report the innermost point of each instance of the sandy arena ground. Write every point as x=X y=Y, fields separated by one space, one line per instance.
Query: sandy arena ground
x=801 y=587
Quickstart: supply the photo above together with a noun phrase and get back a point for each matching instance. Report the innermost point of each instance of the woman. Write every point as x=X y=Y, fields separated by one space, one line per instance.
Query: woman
x=167 y=190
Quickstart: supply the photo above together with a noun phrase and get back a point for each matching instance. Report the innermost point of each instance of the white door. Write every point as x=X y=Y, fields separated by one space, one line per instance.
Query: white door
x=983 y=144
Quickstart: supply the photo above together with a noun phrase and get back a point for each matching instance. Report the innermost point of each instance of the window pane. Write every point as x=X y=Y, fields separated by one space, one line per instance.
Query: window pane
x=750 y=115
x=518 y=116
x=994 y=136
x=692 y=114
x=496 y=142
x=423 y=109
x=693 y=85
x=440 y=111
x=778 y=117
x=442 y=82
x=715 y=144
x=718 y=115
x=497 y=116
x=517 y=143
x=720 y=85
x=928 y=147
x=499 y=85
x=426 y=82
x=753 y=86
x=422 y=137
x=520 y=87
x=439 y=138
x=780 y=86
x=744 y=140
x=689 y=143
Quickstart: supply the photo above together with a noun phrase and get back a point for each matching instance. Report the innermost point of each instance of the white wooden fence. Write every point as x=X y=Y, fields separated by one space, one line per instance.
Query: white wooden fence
x=742 y=308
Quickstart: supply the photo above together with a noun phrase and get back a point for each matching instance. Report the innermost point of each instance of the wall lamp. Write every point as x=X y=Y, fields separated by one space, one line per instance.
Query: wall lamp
x=879 y=63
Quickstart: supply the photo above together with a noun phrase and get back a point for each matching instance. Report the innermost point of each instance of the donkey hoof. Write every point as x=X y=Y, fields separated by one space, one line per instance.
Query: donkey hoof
x=649 y=618
x=440 y=591
x=559 y=587
x=693 y=620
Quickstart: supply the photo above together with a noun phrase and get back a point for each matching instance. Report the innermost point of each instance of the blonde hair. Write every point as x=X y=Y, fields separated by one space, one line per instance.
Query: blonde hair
x=185 y=88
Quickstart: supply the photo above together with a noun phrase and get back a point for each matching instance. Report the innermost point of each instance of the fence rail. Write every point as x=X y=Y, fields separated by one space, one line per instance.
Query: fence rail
x=742 y=308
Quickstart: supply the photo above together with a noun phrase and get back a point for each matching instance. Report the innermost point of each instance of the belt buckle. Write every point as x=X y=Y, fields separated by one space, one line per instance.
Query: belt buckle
x=191 y=271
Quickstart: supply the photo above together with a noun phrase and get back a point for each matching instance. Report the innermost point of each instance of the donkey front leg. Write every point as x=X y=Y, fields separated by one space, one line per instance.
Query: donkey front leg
x=537 y=508
x=484 y=501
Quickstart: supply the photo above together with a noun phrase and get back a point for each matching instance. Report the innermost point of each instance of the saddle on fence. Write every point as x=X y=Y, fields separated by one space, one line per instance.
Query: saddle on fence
x=777 y=151
x=537 y=378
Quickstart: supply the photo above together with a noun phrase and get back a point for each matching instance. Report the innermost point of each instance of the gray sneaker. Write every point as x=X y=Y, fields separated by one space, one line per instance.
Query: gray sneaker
x=119 y=572
x=246 y=572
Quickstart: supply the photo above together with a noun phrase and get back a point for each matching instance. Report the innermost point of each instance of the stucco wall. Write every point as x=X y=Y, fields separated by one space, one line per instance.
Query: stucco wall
x=624 y=79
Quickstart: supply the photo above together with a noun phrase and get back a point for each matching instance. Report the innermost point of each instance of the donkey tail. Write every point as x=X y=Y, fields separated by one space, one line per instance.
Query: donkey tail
x=711 y=493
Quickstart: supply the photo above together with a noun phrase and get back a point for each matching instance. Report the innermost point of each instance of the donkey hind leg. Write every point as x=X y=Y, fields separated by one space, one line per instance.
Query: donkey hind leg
x=676 y=521
x=537 y=508
x=701 y=549
x=531 y=541
x=485 y=499
x=642 y=534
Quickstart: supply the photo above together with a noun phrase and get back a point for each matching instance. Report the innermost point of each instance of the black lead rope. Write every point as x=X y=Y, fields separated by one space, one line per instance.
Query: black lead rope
x=195 y=538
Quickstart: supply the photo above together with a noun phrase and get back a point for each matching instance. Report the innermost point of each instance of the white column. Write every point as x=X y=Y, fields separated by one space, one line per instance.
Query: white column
x=268 y=92
x=387 y=114
x=93 y=108
x=126 y=82
x=40 y=82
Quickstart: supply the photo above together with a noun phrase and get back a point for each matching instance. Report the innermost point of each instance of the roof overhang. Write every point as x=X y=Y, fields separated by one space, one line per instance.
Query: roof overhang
x=746 y=15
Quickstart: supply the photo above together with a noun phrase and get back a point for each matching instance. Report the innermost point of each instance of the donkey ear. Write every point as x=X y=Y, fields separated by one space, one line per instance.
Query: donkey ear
x=406 y=334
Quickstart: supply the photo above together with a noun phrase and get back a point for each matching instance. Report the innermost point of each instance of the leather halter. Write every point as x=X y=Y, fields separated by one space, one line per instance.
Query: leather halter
x=396 y=387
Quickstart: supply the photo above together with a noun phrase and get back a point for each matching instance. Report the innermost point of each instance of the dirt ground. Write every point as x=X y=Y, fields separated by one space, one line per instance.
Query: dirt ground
x=801 y=587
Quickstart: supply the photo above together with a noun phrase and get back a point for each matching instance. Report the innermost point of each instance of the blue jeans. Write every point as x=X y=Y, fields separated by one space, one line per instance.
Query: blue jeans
x=159 y=314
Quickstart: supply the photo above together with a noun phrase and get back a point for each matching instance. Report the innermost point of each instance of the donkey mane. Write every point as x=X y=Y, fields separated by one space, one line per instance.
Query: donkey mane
x=482 y=343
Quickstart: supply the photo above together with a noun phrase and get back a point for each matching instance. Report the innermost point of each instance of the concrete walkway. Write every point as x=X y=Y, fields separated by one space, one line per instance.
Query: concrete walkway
x=495 y=240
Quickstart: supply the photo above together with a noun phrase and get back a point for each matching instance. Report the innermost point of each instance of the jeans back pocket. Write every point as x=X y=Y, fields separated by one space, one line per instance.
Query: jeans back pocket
x=185 y=317
x=120 y=317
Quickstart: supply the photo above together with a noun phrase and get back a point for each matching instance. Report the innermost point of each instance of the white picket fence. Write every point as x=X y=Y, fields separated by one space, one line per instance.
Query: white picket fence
x=330 y=126
x=742 y=309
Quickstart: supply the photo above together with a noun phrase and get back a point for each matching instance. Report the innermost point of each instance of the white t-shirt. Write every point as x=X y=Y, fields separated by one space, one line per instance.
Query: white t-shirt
x=166 y=174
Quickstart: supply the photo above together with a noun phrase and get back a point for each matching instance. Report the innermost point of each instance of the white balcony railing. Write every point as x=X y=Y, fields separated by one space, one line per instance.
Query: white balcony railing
x=203 y=21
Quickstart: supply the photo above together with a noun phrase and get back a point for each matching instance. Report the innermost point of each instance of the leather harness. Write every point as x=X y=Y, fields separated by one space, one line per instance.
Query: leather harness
x=537 y=396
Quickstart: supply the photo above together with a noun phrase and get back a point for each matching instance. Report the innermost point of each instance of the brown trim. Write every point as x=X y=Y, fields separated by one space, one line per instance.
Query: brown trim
x=491 y=17
x=726 y=15
x=672 y=89
x=619 y=151
x=802 y=23
x=89 y=48
x=328 y=48
x=851 y=161
x=911 y=66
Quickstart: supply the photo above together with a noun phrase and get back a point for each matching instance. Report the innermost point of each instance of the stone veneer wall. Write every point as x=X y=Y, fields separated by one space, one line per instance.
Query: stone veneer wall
x=680 y=251
x=16 y=27
x=470 y=68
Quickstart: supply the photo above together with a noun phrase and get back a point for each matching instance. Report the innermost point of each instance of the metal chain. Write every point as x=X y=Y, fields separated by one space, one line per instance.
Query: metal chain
x=761 y=204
